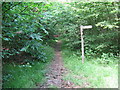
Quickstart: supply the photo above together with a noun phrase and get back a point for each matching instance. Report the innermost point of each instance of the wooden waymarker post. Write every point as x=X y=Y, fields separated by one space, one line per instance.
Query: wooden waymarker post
x=82 y=41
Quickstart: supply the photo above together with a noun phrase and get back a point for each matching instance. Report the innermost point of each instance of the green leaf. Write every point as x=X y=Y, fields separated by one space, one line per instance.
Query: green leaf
x=24 y=48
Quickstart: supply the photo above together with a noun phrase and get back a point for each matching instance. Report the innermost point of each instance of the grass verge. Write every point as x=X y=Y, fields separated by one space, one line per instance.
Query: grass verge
x=28 y=75
x=89 y=74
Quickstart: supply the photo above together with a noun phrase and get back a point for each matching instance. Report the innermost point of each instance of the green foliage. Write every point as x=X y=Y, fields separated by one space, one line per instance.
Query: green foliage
x=28 y=23
x=26 y=75
x=23 y=76
x=26 y=29
x=102 y=38
x=34 y=46
x=107 y=59
x=26 y=34
x=91 y=74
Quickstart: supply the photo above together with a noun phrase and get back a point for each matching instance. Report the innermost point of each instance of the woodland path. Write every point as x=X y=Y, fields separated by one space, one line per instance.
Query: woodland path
x=57 y=71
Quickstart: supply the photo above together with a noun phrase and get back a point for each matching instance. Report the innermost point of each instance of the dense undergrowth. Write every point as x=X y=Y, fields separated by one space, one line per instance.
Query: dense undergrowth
x=29 y=75
x=25 y=30
x=27 y=40
x=91 y=74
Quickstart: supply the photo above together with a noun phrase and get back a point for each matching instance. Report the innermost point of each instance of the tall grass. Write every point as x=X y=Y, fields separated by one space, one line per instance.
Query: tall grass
x=90 y=74
x=28 y=75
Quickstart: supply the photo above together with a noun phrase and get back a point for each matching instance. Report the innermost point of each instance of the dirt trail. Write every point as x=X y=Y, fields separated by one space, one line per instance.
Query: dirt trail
x=54 y=76
x=57 y=71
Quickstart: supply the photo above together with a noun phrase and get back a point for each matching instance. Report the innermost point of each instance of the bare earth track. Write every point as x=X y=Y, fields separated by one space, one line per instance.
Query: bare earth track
x=56 y=72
